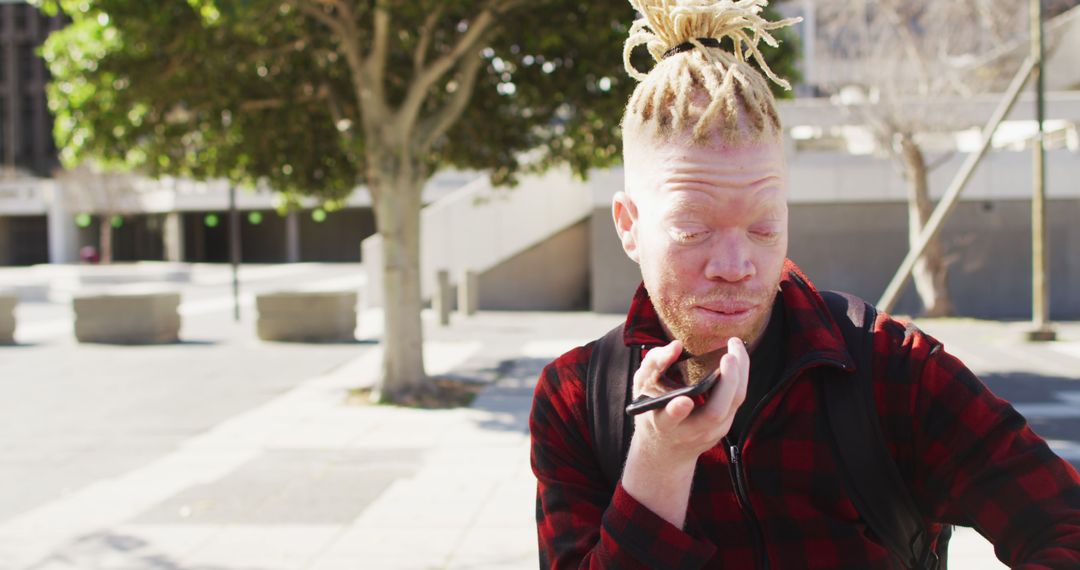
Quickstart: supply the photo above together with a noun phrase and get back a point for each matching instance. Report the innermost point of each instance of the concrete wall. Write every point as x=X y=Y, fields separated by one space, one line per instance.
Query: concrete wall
x=857 y=248
x=479 y=227
x=552 y=275
x=817 y=177
x=613 y=278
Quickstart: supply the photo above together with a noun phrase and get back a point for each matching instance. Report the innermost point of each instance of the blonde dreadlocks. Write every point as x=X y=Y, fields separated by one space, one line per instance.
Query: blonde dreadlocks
x=697 y=87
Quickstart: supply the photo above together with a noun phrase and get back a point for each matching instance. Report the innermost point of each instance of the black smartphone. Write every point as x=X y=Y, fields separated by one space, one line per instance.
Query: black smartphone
x=645 y=403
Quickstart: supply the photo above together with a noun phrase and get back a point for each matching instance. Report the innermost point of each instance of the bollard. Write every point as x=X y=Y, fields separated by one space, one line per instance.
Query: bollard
x=441 y=301
x=468 y=293
x=7 y=318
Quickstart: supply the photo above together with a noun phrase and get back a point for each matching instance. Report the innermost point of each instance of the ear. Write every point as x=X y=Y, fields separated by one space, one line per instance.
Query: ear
x=625 y=213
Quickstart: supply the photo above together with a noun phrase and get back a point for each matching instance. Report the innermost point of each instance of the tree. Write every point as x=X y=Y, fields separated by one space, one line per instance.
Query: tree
x=104 y=193
x=891 y=57
x=314 y=97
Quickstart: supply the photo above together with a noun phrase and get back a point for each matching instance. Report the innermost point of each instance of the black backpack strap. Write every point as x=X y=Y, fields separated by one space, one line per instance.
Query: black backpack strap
x=609 y=384
x=874 y=482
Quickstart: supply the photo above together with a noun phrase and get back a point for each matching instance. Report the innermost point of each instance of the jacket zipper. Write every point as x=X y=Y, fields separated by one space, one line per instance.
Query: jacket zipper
x=739 y=478
x=735 y=451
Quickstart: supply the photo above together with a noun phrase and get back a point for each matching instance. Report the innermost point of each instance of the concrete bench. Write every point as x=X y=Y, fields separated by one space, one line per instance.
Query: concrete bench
x=301 y=316
x=128 y=318
x=7 y=318
x=127 y=273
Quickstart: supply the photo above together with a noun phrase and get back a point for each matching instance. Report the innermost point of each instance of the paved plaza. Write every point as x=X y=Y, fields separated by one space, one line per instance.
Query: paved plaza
x=224 y=452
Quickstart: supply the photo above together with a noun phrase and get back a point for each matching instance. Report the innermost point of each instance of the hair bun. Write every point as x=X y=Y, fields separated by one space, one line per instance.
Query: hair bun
x=668 y=27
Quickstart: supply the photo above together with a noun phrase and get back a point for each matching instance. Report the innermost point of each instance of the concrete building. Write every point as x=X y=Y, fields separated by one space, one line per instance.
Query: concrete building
x=44 y=221
x=550 y=243
x=26 y=141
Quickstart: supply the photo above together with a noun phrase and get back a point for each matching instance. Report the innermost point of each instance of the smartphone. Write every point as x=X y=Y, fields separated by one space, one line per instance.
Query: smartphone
x=645 y=403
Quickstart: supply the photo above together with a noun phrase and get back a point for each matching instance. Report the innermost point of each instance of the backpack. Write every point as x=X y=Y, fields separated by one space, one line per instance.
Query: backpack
x=870 y=474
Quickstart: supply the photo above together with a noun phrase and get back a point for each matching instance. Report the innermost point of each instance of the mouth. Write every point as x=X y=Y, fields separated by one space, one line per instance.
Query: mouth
x=732 y=312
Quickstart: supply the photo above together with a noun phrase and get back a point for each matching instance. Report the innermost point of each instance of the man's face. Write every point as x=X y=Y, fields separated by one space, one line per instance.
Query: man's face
x=708 y=226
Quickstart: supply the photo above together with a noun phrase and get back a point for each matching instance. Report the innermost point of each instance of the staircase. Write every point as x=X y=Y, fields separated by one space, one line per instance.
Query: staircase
x=483 y=229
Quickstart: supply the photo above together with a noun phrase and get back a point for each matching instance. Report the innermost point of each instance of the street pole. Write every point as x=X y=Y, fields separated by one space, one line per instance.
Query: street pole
x=234 y=250
x=1040 y=283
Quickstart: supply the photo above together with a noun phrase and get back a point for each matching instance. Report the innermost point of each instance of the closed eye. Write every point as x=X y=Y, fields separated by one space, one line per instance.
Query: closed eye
x=767 y=236
x=687 y=236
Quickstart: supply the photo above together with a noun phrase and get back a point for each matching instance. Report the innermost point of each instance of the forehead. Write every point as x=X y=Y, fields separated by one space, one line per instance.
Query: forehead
x=685 y=170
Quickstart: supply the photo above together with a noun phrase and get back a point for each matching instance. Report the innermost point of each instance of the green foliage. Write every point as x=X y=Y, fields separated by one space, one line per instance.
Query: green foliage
x=253 y=90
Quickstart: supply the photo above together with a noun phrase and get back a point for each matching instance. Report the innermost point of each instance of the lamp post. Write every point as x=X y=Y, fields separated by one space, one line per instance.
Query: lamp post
x=1040 y=282
x=234 y=250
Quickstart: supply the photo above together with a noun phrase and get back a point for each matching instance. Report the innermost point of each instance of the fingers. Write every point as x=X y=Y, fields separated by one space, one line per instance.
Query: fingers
x=673 y=414
x=678 y=430
x=734 y=375
x=737 y=348
x=653 y=366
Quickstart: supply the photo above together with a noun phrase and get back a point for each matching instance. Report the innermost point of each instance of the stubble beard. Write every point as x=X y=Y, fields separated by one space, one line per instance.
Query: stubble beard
x=697 y=337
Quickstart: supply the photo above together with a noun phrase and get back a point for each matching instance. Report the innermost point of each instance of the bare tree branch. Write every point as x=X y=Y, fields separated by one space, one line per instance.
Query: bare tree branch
x=376 y=59
x=342 y=124
x=426 y=78
x=261 y=105
x=910 y=45
x=368 y=90
x=424 y=41
x=440 y=122
x=942 y=160
x=884 y=130
x=342 y=23
x=316 y=11
x=294 y=46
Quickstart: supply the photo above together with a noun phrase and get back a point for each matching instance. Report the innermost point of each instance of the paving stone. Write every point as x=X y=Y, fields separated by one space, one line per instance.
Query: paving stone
x=391 y=548
x=284 y=547
x=290 y=487
x=517 y=549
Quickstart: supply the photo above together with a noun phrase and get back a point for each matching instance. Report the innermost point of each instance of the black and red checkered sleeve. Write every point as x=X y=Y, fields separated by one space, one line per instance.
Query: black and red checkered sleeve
x=975 y=461
x=581 y=521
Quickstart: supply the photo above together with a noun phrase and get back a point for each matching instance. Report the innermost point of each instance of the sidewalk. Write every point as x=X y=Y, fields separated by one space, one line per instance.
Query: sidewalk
x=308 y=482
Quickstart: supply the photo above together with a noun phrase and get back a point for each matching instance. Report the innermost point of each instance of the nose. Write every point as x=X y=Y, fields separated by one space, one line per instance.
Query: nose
x=731 y=259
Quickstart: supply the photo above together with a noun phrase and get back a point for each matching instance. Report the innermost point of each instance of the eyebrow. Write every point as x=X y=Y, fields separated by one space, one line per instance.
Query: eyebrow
x=766 y=206
x=769 y=209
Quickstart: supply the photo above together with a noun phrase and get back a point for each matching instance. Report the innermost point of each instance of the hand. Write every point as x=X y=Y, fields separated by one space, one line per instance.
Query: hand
x=667 y=442
x=679 y=433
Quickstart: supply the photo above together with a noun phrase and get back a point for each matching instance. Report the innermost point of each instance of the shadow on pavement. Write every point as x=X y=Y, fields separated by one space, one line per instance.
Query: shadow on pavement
x=1027 y=387
x=510 y=397
x=119 y=550
x=347 y=342
x=1055 y=418
x=181 y=342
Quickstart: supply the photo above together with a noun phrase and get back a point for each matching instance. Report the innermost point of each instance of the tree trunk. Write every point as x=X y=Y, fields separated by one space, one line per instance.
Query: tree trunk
x=105 y=255
x=930 y=273
x=396 y=193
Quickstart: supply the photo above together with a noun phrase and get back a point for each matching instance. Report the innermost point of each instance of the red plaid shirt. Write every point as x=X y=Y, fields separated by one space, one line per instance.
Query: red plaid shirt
x=967 y=456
